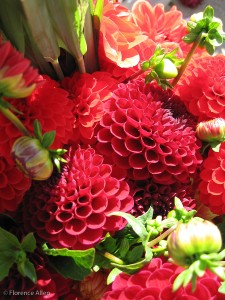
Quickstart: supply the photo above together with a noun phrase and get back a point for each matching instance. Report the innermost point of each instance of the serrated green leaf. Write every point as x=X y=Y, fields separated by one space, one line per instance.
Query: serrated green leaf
x=74 y=264
x=29 y=243
x=5 y=265
x=136 y=224
x=8 y=241
x=27 y=269
x=112 y=275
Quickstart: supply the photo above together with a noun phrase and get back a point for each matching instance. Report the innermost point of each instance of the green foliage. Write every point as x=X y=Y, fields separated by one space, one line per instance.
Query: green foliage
x=74 y=264
x=13 y=252
x=206 y=29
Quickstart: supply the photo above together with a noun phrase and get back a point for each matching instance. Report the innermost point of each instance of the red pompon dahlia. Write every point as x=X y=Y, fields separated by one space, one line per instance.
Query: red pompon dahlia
x=88 y=92
x=144 y=139
x=191 y=3
x=71 y=209
x=13 y=186
x=154 y=282
x=160 y=197
x=202 y=87
x=212 y=185
x=50 y=105
x=17 y=77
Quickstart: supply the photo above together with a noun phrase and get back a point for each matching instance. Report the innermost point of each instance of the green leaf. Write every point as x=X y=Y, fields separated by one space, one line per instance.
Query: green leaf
x=208 y=12
x=124 y=247
x=135 y=254
x=136 y=224
x=181 y=278
x=210 y=48
x=222 y=288
x=214 y=37
x=27 y=269
x=148 y=215
x=38 y=130
x=29 y=243
x=48 y=139
x=112 y=275
x=8 y=241
x=74 y=264
x=5 y=265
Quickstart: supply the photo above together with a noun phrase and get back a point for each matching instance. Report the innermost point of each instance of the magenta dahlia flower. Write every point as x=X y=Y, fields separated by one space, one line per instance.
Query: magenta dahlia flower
x=71 y=209
x=211 y=187
x=143 y=134
x=13 y=186
x=191 y=3
x=154 y=282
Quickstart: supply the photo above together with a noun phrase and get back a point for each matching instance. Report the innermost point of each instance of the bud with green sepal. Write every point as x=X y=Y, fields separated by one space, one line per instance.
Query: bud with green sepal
x=33 y=156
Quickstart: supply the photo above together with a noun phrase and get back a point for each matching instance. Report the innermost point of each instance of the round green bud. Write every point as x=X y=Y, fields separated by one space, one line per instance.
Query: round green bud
x=192 y=239
x=33 y=160
x=166 y=69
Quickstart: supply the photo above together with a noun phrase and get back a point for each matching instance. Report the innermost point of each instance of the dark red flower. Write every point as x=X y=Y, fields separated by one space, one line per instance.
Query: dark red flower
x=154 y=282
x=50 y=105
x=88 y=92
x=191 y=3
x=160 y=197
x=13 y=186
x=71 y=209
x=202 y=87
x=211 y=187
x=144 y=139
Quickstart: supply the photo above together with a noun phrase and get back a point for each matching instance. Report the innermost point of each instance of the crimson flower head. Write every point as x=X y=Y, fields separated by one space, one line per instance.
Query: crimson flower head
x=191 y=3
x=17 y=77
x=72 y=209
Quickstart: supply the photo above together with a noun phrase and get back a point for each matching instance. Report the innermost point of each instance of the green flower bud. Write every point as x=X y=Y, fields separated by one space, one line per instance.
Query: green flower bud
x=212 y=130
x=166 y=69
x=32 y=158
x=191 y=239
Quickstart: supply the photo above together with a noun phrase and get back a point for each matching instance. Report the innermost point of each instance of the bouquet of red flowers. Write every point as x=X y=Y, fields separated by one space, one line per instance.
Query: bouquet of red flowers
x=112 y=153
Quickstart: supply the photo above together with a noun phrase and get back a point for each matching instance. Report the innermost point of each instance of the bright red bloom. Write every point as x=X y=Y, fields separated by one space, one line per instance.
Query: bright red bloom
x=17 y=77
x=71 y=209
x=212 y=185
x=88 y=92
x=50 y=105
x=160 y=197
x=13 y=186
x=154 y=282
x=202 y=87
x=144 y=139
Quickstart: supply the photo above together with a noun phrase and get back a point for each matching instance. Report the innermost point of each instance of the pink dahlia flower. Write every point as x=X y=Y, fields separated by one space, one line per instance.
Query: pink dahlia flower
x=212 y=185
x=88 y=92
x=154 y=282
x=202 y=87
x=146 y=140
x=71 y=209
x=13 y=186
x=50 y=105
x=17 y=76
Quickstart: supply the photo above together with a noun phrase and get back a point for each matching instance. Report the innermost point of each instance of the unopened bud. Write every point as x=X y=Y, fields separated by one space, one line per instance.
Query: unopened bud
x=166 y=69
x=212 y=130
x=32 y=158
x=194 y=238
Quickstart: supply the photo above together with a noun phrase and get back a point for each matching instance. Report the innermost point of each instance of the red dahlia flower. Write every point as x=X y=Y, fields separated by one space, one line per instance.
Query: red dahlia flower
x=154 y=282
x=71 y=209
x=88 y=92
x=191 y=3
x=212 y=185
x=13 y=186
x=17 y=77
x=202 y=87
x=144 y=139
x=50 y=105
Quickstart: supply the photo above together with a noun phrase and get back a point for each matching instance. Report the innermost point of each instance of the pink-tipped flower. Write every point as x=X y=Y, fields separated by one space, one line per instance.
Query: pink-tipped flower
x=212 y=130
x=32 y=158
x=198 y=236
x=17 y=77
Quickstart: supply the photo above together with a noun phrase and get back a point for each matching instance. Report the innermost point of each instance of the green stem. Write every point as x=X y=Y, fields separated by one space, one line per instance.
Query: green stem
x=57 y=68
x=136 y=74
x=187 y=59
x=11 y=117
x=113 y=258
